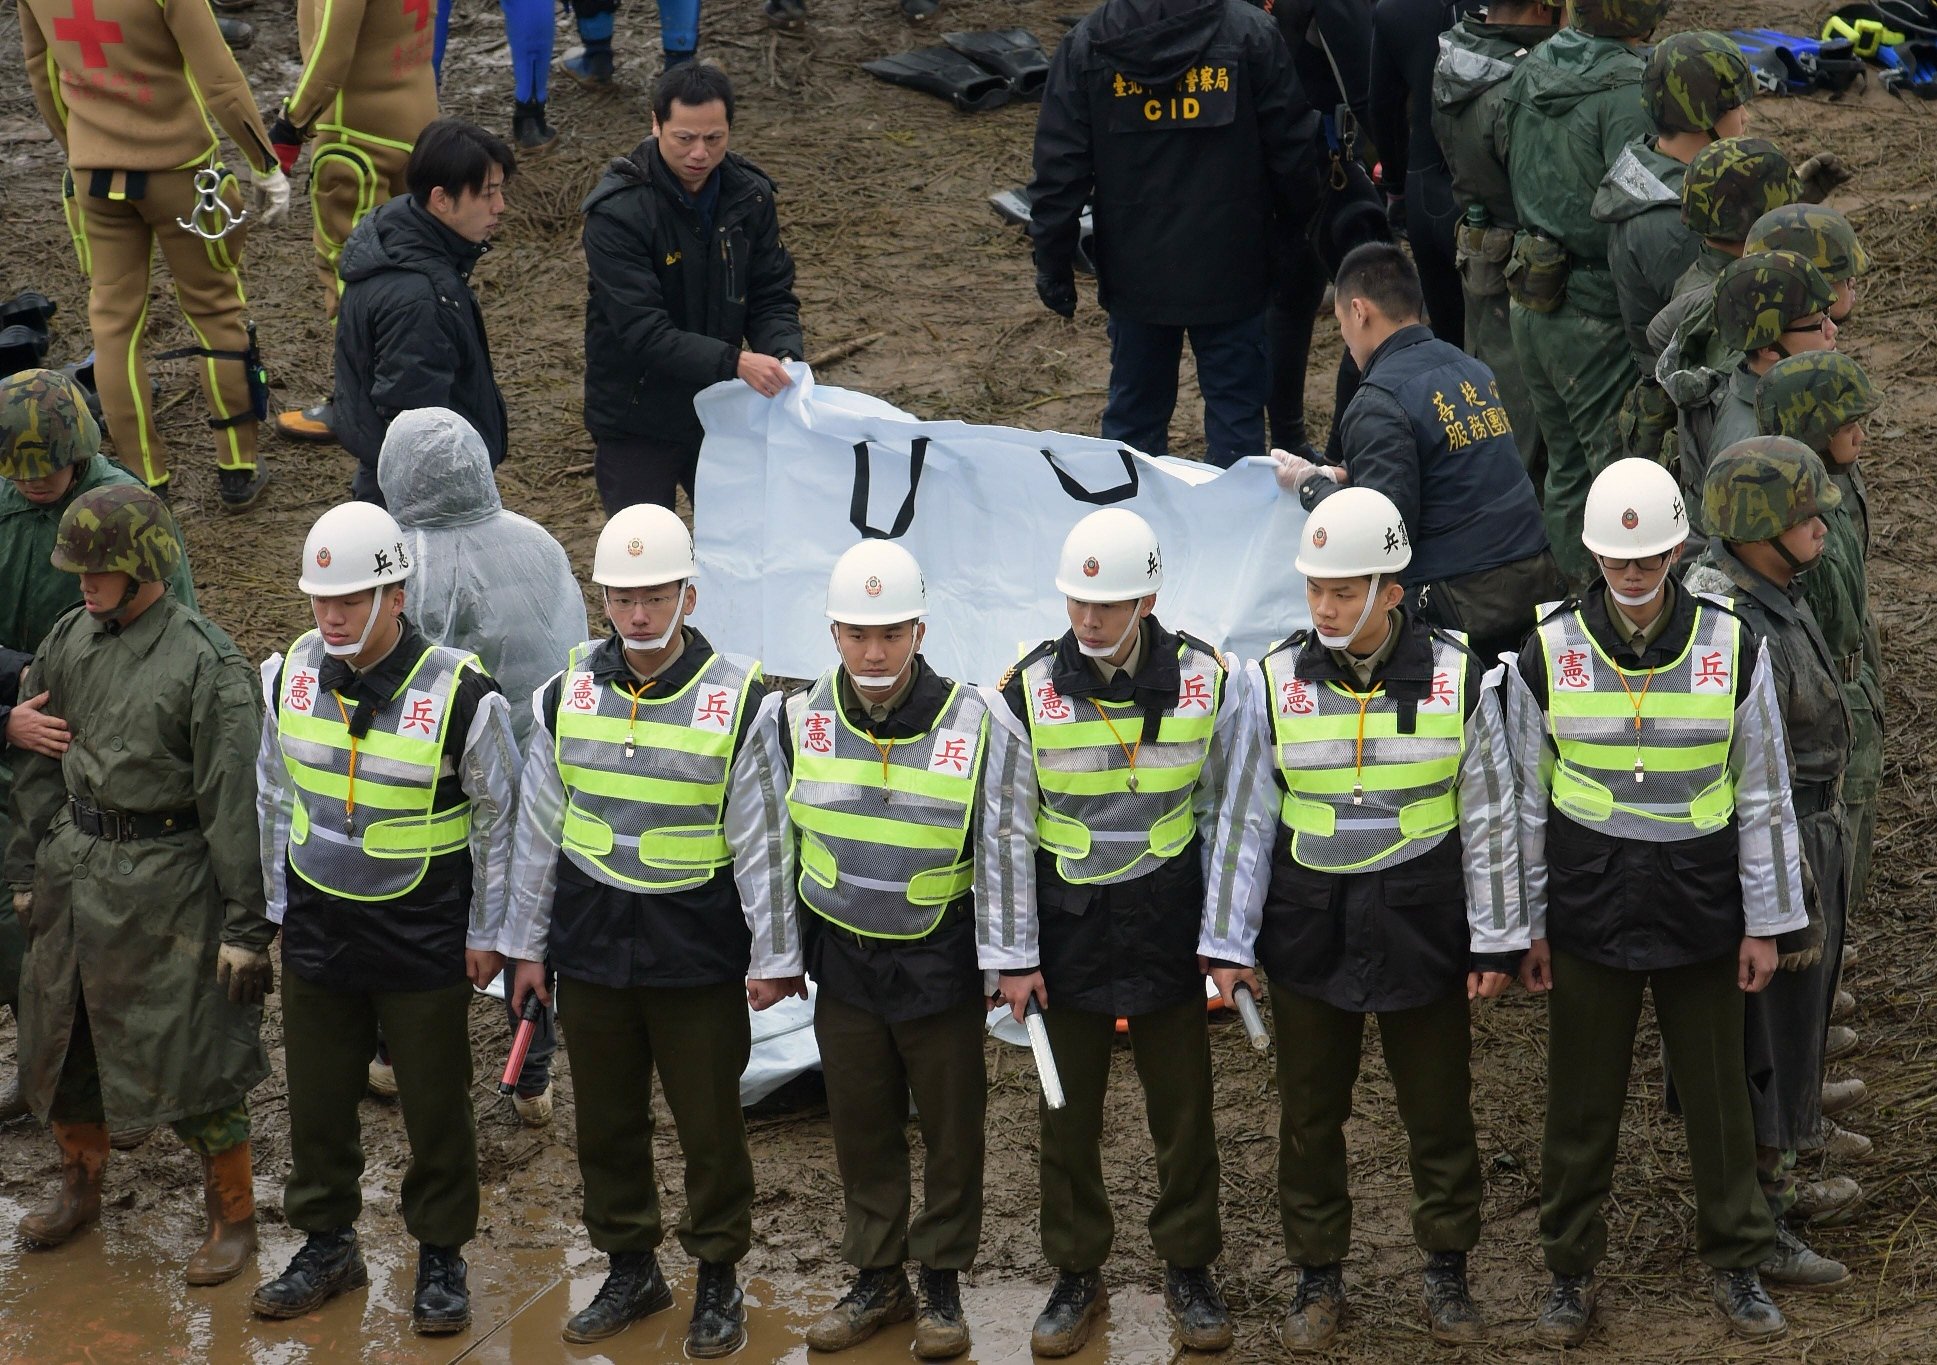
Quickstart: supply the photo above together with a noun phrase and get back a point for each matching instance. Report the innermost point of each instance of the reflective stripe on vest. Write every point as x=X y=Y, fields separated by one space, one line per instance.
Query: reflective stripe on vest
x=1104 y=820
x=381 y=849
x=883 y=853
x=1682 y=786
x=646 y=799
x=1359 y=795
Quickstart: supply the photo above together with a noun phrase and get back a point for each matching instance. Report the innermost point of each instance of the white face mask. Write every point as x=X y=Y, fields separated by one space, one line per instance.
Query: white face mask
x=1631 y=599
x=1365 y=614
x=350 y=651
x=1109 y=651
x=653 y=645
x=876 y=681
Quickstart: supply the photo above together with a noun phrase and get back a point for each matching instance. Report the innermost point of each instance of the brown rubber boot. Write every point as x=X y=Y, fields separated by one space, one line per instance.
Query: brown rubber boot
x=228 y=1182
x=84 y=1155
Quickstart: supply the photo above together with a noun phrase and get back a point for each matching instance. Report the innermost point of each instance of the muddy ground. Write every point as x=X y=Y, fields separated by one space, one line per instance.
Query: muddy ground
x=883 y=204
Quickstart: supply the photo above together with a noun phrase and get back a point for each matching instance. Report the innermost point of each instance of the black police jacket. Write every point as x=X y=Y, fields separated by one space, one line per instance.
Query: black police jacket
x=416 y=941
x=1185 y=125
x=1130 y=947
x=409 y=333
x=1370 y=942
x=668 y=302
x=614 y=937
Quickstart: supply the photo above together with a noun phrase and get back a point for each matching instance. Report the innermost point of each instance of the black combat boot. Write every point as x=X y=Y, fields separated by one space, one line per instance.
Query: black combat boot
x=329 y=1264
x=1449 y=1303
x=941 y=1333
x=1203 y=1322
x=1751 y=1313
x=719 y=1326
x=1568 y=1310
x=443 y=1301
x=878 y=1298
x=1316 y=1306
x=635 y=1289
x=1067 y=1319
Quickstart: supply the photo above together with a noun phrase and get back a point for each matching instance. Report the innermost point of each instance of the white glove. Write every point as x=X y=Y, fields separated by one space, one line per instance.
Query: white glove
x=1292 y=470
x=272 y=195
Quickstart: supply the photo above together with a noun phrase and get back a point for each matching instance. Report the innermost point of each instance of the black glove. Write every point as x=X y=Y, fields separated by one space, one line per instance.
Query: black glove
x=1395 y=214
x=1057 y=290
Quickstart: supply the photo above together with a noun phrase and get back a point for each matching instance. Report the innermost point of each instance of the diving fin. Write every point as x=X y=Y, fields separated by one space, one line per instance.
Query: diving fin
x=1012 y=206
x=1012 y=53
x=942 y=71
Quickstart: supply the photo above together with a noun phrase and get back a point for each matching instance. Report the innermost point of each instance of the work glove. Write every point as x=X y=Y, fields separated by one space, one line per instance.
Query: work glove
x=1057 y=290
x=272 y=195
x=1395 y=214
x=1800 y=961
x=244 y=973
x=23 y=906
x=1820 y=175
x=287 y=140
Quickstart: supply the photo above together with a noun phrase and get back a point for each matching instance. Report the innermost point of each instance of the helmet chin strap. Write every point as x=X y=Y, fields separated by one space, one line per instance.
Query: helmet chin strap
x=660 y=641
x=1109 y=651
x=1365 y=614
x=1637 y=599
x=876 y=680
x=350 y=651
x=1796 y=566
x=116 y=614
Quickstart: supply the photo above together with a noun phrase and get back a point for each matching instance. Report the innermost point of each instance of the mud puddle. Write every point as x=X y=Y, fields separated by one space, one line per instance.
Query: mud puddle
x=115 y=1295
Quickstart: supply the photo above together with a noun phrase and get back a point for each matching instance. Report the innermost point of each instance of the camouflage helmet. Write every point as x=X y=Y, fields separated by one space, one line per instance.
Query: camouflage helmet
x=119 y=528
x=1811 y=397
x=1758 y=488
x=1733 y=182
x=44 y=425
x=1758 y=298
x=1693 y=79
x=1813 y=230
x=1619 y=18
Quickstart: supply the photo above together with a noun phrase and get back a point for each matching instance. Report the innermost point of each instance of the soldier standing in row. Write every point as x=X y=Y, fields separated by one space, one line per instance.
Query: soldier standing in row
x=1129 y=732
x=134 y=869
x=127 y=88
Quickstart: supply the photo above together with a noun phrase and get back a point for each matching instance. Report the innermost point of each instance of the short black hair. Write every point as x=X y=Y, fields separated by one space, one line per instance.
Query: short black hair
x=1382 y=275
x=692 y=84
x=453 y=156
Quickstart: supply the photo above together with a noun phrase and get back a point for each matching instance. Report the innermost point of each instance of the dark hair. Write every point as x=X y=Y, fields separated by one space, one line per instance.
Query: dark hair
x=1382 y=275
x=453 y=156
x=692 y=84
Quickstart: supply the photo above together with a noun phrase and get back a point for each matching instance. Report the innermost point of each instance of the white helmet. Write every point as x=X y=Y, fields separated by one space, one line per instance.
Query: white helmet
x=1353 y=533
x=1634 y=510
x=876 y=583
x=643 y=546
x=1110 y=556
x=353 y=546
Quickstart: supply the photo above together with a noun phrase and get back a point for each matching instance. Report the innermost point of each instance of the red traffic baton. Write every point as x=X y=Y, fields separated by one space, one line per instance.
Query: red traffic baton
x=528 y=1018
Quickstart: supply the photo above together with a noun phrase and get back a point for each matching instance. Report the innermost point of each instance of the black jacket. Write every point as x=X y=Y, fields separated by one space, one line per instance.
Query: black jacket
x=614 y=937
x=668 y=304
x=1130 y=947
x=1628 y=903
x=1370 y=942
x=415 y=942
x=1189 y=181
x=1329 y=40
x=409 y=333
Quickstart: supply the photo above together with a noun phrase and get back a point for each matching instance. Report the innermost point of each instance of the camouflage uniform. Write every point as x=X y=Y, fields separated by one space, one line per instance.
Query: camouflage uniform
x=1569 y=111
x=45 y=427
x=1754 y=491
x=1756 y=300
x=122 y=1018
x=1469 y=81
x=1809 y=397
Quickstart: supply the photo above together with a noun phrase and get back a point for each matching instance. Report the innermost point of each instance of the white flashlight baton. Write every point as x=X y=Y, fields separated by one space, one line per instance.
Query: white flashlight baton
x=1052 y=1081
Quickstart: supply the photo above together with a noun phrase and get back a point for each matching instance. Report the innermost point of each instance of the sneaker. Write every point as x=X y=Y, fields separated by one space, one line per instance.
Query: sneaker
x=1827 y=1203
x=1567 y=1313
x=382 y=1078
x=1842 y=1007
x=719 y=1326
x=1317 y=1304
x=442 y=1304
x=1449 y=1302
x=1794 y=1266
x=242 y=488
x=238 y=34
x=328 y=1264
x=1840 y=1041
x=313 y=424
x=1203 y=1322
x=1840 y=1144
x=786 y=14
x=634 y=1289
x=1839 y=1097
x=1067 y=1320
x=941 y=1333
x=534 y=1111
x=877 y=1298
x=1751 y=1313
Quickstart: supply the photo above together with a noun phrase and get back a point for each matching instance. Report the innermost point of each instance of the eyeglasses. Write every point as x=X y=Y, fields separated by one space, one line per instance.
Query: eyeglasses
x=1647 y=565
x=1821 y=324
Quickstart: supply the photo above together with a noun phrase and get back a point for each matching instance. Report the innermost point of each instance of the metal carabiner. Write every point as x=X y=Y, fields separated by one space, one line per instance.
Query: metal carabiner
x=211 y=209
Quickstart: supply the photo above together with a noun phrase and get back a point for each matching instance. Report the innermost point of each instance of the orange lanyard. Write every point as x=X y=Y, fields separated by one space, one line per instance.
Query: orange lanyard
x=349 y=797
x=1636 y=703
x=637 y=694
x=1364 y=699
x=1129 y=750
x=884 y=750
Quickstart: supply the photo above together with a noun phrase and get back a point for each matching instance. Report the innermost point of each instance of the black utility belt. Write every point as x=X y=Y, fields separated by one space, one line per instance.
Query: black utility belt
x=122 y=826
x=1812 y=798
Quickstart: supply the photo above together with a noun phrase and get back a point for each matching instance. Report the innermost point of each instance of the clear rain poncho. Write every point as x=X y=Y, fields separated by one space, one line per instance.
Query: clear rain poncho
x=484 y=579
